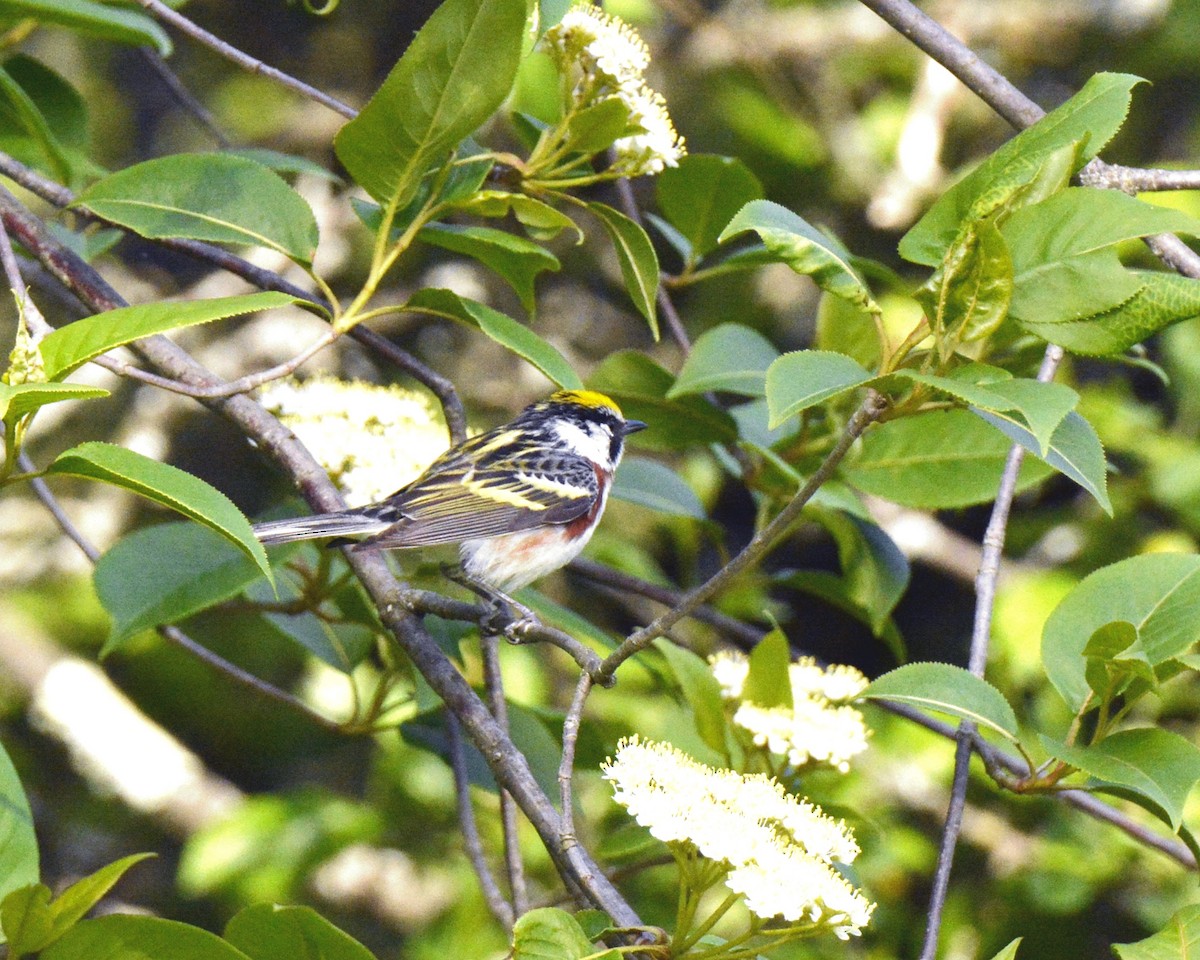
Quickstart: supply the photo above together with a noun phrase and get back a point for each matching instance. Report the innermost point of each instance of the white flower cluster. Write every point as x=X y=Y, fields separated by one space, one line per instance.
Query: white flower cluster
x=371 y=440
x=611 y=60
x=817 y=727
x=779 y=850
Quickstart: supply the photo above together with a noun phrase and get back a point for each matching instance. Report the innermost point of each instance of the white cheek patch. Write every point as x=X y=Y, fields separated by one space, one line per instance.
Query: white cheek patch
x=591 y=440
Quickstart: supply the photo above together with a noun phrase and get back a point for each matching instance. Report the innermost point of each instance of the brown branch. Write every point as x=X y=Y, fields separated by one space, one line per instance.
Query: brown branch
x=183 y=96
x=181 y=23
x=501 y=909
x=493 y=682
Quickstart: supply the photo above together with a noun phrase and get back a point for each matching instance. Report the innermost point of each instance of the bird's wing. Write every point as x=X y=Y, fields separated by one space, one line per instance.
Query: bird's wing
x=470 y=494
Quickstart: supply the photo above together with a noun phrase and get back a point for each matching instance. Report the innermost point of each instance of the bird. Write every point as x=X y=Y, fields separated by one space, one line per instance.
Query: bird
x=521 y=500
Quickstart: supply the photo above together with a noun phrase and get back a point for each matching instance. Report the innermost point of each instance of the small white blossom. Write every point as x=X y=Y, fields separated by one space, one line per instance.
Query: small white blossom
x=778 y=848
x=730 y=667
x=782 y=882
x=818 y=727
x=837 y=683
x=608 y=59
x=604 y=48
x=372 y=440
x=658 y=145
x=812 y=729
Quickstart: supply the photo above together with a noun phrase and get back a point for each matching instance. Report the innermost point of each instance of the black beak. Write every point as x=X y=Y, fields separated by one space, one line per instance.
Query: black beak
x=632 y=426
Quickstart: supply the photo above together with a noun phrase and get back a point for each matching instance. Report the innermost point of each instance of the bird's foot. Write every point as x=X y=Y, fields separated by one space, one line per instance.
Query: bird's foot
x=508 y=618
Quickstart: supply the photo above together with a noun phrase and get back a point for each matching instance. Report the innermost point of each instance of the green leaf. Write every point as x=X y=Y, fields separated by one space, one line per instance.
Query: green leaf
x=26 y=920
x=700 y=689
x=103 y=21
x=127 y=937
x=730 y=357
x=268 y=931
x=284 y=162
x=21 y=116
x=875 y=569
x=207 y=196
x=1158 y=767
x=194 y=569
x=967 y=298
x=1090 y=118
x=596 y=127
x=1072 y=289
x=1161 y=299
x=799 y=380
x=1082 y=220
x=550 y=934
x=1010 y=951
x=1178 y=940
x=655 y=485
x=35 y=922
x=947 y=689
x=517 y=260
x=1158 y=593
x=767 y=682
x=702 y=194
x=166 y=485
x=1042 y=407
x=18 y=843
x=503 y=329
x=639 y=262
x=640 y=387
x=802 y=247
x=1075 y=451
x=44 y=121
x=1066 y=268
x=24 y=398
x=936 y=460
x=453 y=76
x=540 y=220
x=70 y=347
x=845 y=328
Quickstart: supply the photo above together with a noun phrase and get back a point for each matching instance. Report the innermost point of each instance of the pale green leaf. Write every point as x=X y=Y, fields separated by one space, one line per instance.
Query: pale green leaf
x=454 y=75
x=166 y=485
x=217 y=197
x=69 y=347
x=947 y=689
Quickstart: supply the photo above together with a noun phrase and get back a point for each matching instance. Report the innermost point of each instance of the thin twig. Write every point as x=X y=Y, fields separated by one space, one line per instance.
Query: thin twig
x=758 y=547
x=181 y=23
x=940 y=44
x=566 y=767
x=42 y=491
x=501 y=909
x=245 y=384
x=493 y=681
x=183 y=96
x=1133 y=180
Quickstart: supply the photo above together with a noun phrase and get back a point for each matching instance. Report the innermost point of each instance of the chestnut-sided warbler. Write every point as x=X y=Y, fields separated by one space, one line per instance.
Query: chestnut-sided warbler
x=521 y=500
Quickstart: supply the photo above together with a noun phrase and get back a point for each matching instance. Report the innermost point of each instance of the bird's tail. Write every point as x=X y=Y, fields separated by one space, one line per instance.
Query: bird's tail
x=346 y=524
